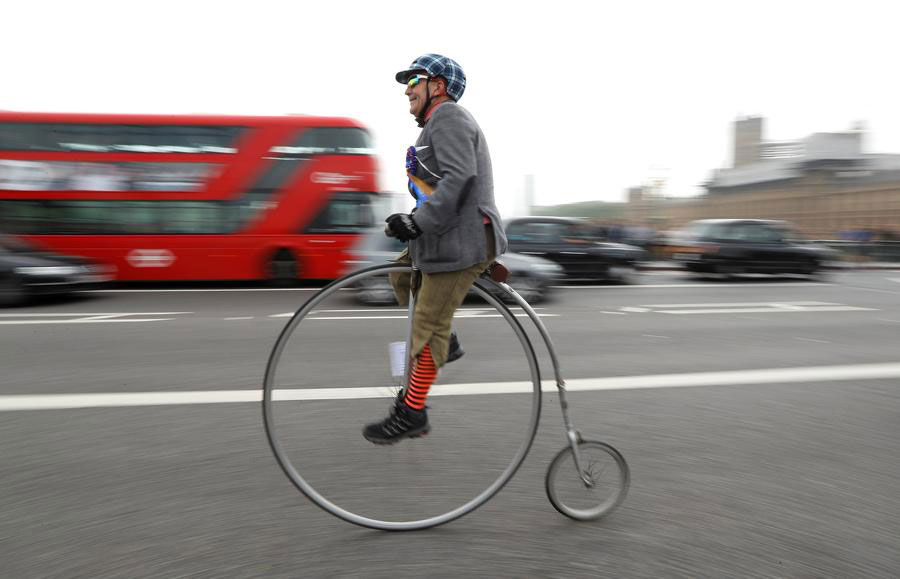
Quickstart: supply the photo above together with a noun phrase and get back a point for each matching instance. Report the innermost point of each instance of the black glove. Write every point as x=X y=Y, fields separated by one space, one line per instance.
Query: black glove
x=402 y=226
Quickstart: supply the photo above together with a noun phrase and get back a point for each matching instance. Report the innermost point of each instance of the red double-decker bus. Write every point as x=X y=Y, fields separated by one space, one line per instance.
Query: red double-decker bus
x=189 y=197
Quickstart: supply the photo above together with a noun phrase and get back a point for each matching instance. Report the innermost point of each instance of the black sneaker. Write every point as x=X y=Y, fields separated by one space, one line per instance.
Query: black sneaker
x=455 y=351
x=403 y=422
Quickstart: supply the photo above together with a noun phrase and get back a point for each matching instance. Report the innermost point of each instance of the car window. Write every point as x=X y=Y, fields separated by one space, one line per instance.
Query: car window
x=793 y=236
x=756 y=233
x=376 y=240
x=578 y=233
x=701 y=230
x=344 y=213
x=536 y=232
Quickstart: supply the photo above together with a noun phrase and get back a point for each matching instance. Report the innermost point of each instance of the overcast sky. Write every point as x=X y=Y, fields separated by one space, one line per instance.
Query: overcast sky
x=589 y=97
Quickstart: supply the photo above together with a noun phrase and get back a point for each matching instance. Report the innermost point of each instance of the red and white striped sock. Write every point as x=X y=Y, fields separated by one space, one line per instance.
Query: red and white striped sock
x=423 y=376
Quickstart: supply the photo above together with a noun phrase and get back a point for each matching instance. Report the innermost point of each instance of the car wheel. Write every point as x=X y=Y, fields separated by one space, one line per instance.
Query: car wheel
x=282 y=269
x=622 y=274
x=728 y=270
x=814 y=270
x=12 y=292
x=374 y=291
x=530 y=288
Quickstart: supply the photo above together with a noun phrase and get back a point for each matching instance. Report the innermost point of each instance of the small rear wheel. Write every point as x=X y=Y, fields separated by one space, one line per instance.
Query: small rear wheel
x=603 y=488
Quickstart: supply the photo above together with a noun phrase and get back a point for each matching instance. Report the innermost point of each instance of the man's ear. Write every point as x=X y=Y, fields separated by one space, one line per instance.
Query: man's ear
x=441 y=85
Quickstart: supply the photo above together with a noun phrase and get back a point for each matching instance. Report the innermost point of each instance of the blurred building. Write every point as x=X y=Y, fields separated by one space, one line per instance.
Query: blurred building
x=824 y=184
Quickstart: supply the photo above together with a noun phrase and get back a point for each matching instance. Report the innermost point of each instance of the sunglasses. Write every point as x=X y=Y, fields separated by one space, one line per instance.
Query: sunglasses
x=414 y=80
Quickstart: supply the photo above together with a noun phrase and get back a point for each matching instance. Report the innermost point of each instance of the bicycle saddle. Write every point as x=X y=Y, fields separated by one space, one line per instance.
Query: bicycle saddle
x=496 y=272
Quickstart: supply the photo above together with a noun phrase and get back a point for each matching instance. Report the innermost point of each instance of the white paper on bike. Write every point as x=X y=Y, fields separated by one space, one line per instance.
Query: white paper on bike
x=398 y=359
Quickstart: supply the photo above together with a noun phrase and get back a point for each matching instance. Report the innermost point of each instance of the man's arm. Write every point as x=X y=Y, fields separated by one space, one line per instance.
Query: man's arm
x=453 y=139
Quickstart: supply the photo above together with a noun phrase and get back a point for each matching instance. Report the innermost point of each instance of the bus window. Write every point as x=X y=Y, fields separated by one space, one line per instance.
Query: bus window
x=329 y=140
x=118 y=138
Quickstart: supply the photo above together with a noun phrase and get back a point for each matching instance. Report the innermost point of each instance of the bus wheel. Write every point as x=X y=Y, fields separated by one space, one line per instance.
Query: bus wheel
x=282 y=268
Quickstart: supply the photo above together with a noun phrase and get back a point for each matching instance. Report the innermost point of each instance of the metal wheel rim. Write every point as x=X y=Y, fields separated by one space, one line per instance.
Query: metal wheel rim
x=317 y=498
x=605 y=507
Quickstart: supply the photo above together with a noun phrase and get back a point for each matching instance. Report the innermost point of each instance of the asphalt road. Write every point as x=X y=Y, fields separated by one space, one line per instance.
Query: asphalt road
x=777 y=455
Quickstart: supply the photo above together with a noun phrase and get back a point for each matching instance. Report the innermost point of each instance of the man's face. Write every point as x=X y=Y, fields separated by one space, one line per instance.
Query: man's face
x=417 y=96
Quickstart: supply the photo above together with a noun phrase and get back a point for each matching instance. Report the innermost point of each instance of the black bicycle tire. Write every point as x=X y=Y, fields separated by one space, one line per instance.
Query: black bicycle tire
x=581 y=514
x=335 y=510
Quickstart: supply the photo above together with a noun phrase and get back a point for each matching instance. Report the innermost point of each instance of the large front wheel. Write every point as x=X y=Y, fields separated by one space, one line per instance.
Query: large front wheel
x=594 y=492
x=330 y=373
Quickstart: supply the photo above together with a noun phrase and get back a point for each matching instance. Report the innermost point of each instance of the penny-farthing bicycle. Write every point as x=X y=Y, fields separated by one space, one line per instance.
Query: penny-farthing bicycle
x=327 y=376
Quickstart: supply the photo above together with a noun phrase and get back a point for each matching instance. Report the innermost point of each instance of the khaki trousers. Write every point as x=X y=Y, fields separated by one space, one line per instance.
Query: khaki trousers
x=439 y=296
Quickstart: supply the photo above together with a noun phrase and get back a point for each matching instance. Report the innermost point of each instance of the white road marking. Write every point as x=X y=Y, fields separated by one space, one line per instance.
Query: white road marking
x=655 y=336
x=573 y=287
x=690 y=285
x=852 y=372
x=59 y=315
x=460 y=313
x=872 y=289
x=396 y=310
x=614 y=313
x=88 y=321
x=194 y=290
x=742 y=308
x=770 y=310
x=738 y=304
x=84 y=318
x=812 y=340
x=895 y=279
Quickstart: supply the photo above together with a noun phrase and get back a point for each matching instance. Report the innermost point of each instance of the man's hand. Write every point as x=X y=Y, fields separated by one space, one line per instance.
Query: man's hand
x=402 y=226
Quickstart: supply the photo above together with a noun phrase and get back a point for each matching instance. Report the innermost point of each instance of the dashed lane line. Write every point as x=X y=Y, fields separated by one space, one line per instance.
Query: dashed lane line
x=82 y=318
x=853 y=372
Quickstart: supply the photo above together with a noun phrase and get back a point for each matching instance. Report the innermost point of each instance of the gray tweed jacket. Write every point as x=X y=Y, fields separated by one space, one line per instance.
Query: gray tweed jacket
x=453 y=158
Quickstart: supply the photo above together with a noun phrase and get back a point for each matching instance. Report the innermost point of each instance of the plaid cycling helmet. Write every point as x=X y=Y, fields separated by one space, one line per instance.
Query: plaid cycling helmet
x=437 y=65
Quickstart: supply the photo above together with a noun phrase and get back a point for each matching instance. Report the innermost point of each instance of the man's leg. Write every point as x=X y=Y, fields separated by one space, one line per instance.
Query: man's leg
x=440 y=296
x=401 y=284
x=438 y=299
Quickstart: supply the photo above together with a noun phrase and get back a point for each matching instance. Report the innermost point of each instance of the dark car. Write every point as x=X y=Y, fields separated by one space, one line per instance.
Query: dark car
x=531 y=277
x=574 y=244
x=27 y=271
x=736 y=246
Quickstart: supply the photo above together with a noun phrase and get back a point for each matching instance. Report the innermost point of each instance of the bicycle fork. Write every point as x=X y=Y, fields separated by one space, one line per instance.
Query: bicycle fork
x=572 y=435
